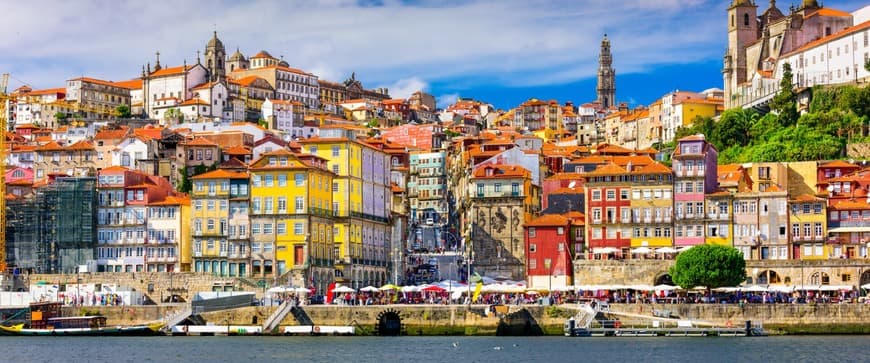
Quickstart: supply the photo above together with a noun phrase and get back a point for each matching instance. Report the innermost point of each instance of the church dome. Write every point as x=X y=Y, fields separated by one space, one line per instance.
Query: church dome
x=215 y=42
x=237 y=56
x=284 y=64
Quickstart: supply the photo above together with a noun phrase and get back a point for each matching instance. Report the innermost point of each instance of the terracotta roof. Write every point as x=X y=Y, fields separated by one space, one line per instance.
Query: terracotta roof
x=50 y=146
x=654 y=168
x=222 y=174
x=850 y=205
x=194 y=101
x=199 y=141
x=565 y=176
x=806 y=198
x=566 y=190
x=205 y=85
x=548 y=220
x=262 y=54
x=246 y=81
x=114 y=168
x=827 y=39
x=170 y=71
x=131 y=84
x=47 y=91
x=81 y=145
x=237 y=150
x=501 y=171
x=839 y=164
x=608 y=169
x=173 y=200
x=97 y=81
x=150 y=132
x=828 y=12
x=108 y=134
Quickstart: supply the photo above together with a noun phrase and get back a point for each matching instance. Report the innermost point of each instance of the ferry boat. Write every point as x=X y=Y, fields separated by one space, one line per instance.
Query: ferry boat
x=44 y=320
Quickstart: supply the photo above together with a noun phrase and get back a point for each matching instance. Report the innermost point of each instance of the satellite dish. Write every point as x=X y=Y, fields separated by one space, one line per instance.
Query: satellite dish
x=572 y=184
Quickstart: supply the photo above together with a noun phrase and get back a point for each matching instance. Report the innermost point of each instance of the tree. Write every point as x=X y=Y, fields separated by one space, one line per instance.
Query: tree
x=867 y=65
x=712 y=266
x=733 y=128
x=174 y=114
x=785 y=102
x=123 y=111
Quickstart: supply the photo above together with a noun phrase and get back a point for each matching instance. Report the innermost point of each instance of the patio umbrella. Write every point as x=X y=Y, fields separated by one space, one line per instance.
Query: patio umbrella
x=389 y=287
x=278 y=289
x=369 y=289
x=343 y=289
x=664 y=288
x=409 y=288
x=433 y=288
x=753 y=288
x=666 y=250
x=643 y=250
x=865 y=286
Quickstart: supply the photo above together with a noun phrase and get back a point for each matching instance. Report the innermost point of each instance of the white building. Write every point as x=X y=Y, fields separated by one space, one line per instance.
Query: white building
x=169 y=87
x=285 y=116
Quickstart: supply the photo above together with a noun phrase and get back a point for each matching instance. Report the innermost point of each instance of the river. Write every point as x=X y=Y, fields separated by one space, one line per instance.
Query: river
x=432 y=349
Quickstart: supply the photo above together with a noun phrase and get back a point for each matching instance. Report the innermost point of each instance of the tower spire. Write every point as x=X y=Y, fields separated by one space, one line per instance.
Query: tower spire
x=606 y=90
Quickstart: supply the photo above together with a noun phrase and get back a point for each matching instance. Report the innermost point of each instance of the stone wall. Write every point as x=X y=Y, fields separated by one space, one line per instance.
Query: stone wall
x=789 y=272
x=162 y=284
x=858 y=150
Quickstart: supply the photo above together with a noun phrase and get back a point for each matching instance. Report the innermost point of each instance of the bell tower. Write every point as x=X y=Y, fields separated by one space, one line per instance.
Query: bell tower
x=214 y=58
x=742 y=30
x=606 y=76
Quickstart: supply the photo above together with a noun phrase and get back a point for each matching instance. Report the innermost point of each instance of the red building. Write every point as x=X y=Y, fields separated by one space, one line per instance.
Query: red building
x=548 y=243
x=608 y=211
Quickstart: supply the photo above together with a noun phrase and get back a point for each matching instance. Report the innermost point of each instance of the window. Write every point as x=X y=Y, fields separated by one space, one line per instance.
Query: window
x=298 y=229
x=268 y=180
x=560 y=230
x=611 y=195
x=533 y=247
x=745 y=19
x=623 y=194
x=282 y=180
x=299 y=179
x=300 y=204
x=532 y=232
x=498 y=187
x=596 y=194
x=281 y=228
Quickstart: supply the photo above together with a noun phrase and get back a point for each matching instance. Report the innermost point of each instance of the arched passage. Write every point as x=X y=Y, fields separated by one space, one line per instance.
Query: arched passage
x=768 y=277
x=664 y=279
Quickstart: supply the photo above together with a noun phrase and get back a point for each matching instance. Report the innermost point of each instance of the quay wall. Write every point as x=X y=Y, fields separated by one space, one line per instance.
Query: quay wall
x=460 y=320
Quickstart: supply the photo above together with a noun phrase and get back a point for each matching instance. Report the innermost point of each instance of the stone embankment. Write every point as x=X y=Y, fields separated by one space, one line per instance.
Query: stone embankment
x=462 y=320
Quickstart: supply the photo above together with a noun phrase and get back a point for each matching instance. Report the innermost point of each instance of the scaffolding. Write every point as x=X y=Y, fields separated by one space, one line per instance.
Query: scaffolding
x=54 y=229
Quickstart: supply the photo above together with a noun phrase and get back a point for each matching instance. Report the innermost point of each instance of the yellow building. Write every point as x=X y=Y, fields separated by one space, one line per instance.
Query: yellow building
x=291 y=219
x=690 y=108
x=808 y=222
x=651 y=205
x=219 y=207
x=360 y=204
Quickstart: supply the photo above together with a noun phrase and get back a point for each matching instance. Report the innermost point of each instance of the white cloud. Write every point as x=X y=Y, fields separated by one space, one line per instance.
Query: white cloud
x=505 y=42
x=446 y=100
x=403 y=88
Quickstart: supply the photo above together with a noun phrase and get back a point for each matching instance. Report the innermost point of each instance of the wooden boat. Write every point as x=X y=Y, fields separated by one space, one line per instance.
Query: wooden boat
x=46 y=319
x=82 y=325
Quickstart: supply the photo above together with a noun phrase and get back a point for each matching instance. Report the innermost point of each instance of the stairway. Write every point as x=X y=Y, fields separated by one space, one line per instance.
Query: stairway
x=179 y=317
x=278 y=316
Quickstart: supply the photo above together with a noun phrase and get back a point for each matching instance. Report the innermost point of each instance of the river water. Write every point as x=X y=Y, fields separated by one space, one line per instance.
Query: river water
x=433 y=349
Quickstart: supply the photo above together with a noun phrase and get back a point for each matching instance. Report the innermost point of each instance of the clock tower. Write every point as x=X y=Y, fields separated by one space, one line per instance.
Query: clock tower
x=606 y=76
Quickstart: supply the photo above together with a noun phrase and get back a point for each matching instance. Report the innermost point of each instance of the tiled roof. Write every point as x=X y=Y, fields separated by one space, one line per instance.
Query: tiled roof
x=170 y=71
x=50 y=146
x=133 y=84
x=501 y=171
x=823 y=40
x=548 y=220
x=107 y=134
x=222 y=174
x=81 y=145
x=199 y=141
x=839 y=164
x=608 y=169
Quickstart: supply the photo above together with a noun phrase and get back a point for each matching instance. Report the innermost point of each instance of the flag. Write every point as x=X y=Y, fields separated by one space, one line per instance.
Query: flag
x=329 y=293
x=477 y=291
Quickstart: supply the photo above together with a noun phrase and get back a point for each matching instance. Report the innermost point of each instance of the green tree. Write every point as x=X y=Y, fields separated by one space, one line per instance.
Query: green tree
x=712 y=266
x=174 y=114
x=733 y=128
x=867 y=65
x=185 y=185
x=123 y=111
x=785 y=102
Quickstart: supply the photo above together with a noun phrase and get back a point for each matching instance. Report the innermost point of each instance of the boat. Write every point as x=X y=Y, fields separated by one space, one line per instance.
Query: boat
x=44 y=320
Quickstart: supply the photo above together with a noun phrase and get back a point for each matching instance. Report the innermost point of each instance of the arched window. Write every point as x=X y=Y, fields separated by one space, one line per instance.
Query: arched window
x=746 y=19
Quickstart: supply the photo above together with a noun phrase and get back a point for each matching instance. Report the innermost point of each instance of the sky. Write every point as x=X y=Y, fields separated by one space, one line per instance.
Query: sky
x=498 y=51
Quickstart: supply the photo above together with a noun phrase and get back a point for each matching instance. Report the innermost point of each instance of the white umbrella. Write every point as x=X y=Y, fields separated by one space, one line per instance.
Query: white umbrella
x=643 y=250
x=664 y=288
x=343 y=289
x=369 y=289
x=865 y=286
x=681 y=249
x=780 y=288
x=302 y=290
x=835 y=287
x=604 y=250
x=753 y=288
x=666 y=250
x=411 y=288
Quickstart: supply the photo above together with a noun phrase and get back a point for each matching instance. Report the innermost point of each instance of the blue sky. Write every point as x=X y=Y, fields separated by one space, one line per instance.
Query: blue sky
x=499 y=51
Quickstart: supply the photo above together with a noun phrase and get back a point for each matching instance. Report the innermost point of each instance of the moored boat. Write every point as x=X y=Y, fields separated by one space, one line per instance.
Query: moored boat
x=44 y=320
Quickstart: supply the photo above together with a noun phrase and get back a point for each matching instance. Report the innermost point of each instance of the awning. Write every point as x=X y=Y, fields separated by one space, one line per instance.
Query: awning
x=848 y=229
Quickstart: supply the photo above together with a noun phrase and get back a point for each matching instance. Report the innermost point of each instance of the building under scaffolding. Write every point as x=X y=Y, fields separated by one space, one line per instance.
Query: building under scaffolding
x=54 y=229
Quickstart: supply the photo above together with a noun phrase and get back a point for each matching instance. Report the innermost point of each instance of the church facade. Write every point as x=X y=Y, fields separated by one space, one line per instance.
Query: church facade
x=760 y=43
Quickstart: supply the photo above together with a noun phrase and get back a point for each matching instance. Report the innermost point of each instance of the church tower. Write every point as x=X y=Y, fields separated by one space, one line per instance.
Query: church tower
x=214 y=58
x=606 y=76
x=742 y=31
